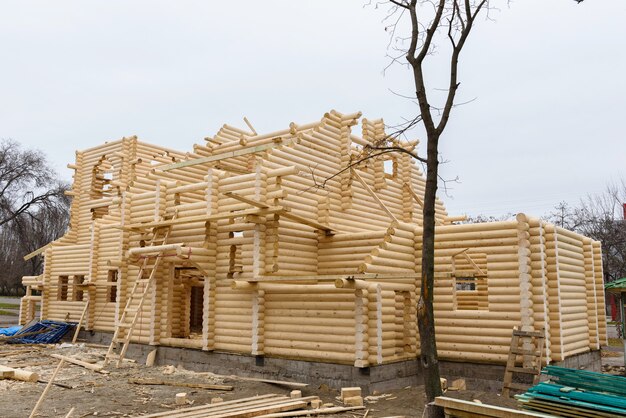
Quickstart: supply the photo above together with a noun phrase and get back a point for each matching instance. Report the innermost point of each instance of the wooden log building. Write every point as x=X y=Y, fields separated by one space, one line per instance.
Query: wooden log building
x=260 y=244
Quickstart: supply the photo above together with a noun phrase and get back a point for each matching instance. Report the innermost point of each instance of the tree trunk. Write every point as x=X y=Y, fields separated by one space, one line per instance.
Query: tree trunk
x=425 y=315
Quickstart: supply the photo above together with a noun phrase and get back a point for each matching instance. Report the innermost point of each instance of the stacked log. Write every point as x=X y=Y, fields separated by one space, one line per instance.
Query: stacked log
x=523 y=271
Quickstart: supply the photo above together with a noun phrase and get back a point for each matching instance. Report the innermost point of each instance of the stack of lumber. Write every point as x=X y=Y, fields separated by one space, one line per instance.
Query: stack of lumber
x=458 y=408
x=577 y=393
x=270 y=405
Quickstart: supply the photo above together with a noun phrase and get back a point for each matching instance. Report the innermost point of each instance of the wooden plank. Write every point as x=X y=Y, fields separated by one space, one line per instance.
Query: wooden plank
x=245 y=412
x=19 y=374
x=93 y=367
x=333 y=277
x=161 y=382
x=80 y=323
x=207 y=218
x=270 y=381
x=208 y=408
x=310 y=412
x=46 y=389
x=243 y=199
x=305 y=221
x=224 y=155
x=482 y=410
x=38 y=251
x=373 y=195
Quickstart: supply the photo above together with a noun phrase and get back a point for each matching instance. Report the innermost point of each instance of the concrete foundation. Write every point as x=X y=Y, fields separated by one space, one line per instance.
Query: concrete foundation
x=486 y=377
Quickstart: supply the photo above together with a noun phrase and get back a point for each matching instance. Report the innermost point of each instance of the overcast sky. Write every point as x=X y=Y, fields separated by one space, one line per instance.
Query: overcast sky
x=548 y=79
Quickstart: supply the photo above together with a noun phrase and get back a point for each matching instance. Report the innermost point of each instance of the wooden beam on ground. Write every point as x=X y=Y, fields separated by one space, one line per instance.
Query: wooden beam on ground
x=247 y=407
x=93 y=367
x=18 y=374
x=373 y=194
x=270 y=381
x=161 y=382
x=460 y=408
x=311 y=412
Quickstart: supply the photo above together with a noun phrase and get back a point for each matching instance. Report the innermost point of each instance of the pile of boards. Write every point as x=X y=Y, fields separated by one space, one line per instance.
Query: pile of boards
x=271 y=405
x=577 y=393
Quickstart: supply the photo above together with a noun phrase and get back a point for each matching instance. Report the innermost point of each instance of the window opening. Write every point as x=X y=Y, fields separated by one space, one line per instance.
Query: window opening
x=470 y=281
x=112 y=286
x=77 y=291
x=63 y=287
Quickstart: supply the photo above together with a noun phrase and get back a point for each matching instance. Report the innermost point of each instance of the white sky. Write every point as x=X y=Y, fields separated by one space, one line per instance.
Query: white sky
x=548 y=78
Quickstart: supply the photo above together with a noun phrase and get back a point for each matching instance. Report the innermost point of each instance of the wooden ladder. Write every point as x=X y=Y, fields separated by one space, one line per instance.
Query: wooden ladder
x=528 y=345
x=134 y=302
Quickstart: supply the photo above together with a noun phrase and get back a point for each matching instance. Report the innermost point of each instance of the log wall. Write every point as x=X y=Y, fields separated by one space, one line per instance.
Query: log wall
x=297 y=258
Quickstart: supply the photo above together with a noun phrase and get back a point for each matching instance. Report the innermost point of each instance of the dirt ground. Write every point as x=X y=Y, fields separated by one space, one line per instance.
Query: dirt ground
x=112 y=395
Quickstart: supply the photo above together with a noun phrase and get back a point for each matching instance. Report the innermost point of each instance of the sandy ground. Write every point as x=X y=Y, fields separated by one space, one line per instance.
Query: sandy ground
x=108 y=395
x=112 y=395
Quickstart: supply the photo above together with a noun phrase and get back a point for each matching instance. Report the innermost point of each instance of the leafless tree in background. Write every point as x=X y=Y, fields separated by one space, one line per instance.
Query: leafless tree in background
x=33 y=211
x=601 y=218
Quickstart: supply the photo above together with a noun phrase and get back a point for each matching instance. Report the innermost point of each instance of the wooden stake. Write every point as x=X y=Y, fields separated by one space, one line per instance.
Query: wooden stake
x=47 y=388
x=82 y=316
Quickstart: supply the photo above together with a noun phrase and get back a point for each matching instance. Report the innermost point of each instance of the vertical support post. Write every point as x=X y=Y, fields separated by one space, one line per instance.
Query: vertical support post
x=93 y=274
x=258 y=323
x=525 y=280
x=210 y=242
x=47 y=279
x=362 y=336
x=545 y=292
x=406 y=320
x=592 y=317
x=379 y=324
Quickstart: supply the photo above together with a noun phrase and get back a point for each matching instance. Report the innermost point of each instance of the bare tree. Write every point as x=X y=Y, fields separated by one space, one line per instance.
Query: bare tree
x=432 y=24
x=33 y=211
x=27 y=183
x=600 y=217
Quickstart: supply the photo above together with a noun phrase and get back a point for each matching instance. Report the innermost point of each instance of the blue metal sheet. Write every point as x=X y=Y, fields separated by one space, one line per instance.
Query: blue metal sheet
x=51 y=332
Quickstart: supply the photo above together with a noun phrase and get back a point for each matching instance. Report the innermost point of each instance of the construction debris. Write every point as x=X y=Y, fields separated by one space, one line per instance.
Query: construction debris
x=42 y=332
x=454 y=408
x=92 y=367
x=295 y=394
x=181 y=398
x=97 y=390
x=353 y=401
x=350 y=392
x=579 y=393
x=458 y=384
x=208 y=386
x=18 y=374
x=248 y=407
x=46 y=389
